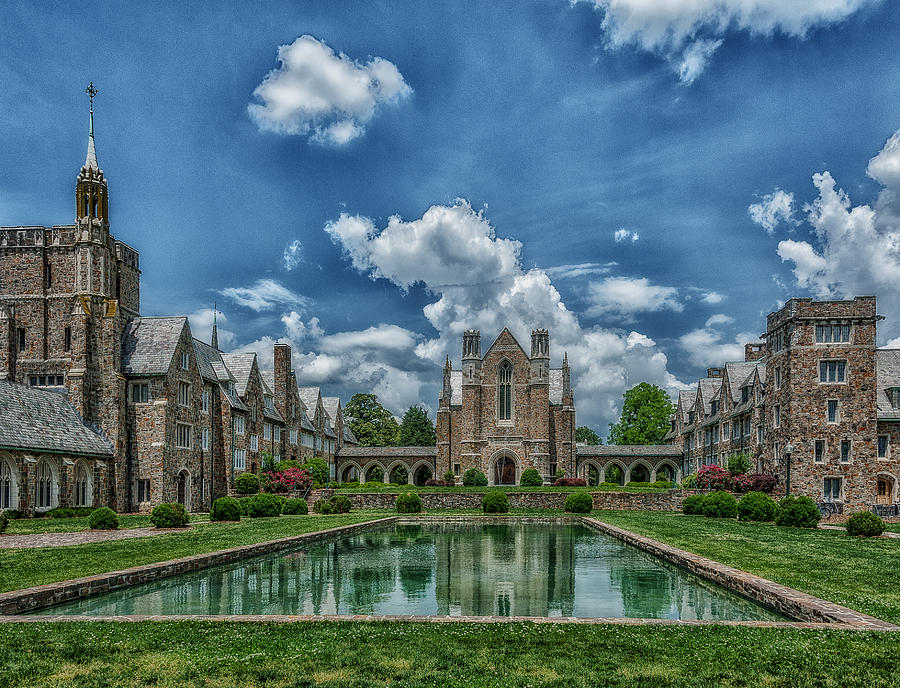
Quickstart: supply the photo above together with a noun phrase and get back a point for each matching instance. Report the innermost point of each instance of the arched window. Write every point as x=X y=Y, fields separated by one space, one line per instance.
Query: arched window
x=8 y=487
x=82 y=488
x=45 y=487
x=505 y=377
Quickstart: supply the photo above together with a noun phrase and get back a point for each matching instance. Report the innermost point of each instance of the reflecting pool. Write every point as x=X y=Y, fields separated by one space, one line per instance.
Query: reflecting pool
x=457 y=569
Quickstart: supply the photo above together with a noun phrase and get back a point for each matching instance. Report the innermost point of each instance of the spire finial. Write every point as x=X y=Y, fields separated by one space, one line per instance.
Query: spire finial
x=214 y=339
x=91 y=160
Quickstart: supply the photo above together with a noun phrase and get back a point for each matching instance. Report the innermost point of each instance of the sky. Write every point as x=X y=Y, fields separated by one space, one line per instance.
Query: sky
x=367 y=180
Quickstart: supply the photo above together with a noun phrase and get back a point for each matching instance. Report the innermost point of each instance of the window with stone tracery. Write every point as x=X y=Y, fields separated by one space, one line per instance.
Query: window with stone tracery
x=505 y=377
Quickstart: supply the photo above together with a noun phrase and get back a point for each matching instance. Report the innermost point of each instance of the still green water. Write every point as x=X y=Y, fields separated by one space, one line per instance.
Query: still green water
x=458 y=569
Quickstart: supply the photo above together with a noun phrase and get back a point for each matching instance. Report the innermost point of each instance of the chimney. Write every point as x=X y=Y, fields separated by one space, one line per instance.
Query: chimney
x=282 y=376
x=715 y=372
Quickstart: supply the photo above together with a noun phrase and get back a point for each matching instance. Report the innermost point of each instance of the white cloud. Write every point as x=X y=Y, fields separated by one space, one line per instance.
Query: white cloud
x=325 y=95
x=719 y=319
x=773 y=209
x=579 y=270
x=687 y=32
x=623 y=234
x=707 y=347
x=293 y=255
x=627 y=296
x=201 y=327
x=712 y=298
x=265 y=295
x=855 y=249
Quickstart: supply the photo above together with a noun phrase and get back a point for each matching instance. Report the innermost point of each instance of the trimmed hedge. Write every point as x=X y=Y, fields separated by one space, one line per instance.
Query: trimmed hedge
x=323 y=506
x=531 y=478
x=757 y=506
x=264 y=505
x=247 y=483
x=294 y=506
x=409 y=503
x=169 y=515
x=797 y=512
x=495 y=502
x=692 y=505
x=720 y=504
x=103 y=518
x=865 y=523
x=579 y=503
x=474 y=478
x=225 y=509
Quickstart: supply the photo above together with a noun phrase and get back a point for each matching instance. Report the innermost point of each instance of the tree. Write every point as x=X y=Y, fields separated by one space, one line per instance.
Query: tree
x=416 y=429
x=645 y=416
x=586 y=435
x=373 y=425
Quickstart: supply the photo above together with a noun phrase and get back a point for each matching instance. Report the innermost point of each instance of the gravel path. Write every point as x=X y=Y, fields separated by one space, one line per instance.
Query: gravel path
x=81 y=538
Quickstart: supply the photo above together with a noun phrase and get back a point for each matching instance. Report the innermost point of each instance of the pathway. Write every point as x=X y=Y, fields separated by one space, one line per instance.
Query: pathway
x=886 y=533
x=83 y=537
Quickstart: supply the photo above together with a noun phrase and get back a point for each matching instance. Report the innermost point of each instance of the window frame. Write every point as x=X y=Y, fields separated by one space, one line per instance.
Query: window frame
x=143 y=386
x=185 y=360
x=187 y=430
x=837 y=411
x=887 y=448
x=819 y=458
x=184 y=393
x=828 y=494
x=849 y=445
x=821 y=329
x=505 y=392
x=840 y=366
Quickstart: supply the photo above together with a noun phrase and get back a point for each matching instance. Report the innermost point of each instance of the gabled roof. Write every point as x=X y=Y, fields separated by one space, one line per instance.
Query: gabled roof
x=737 y=373
x=331 y=404
x=887 y=367
x=349 y=437
x=205 y=356
x=305 y=424
x=505 y=330
x=310 y=397
x=148 y=345
x=268 y=378
x=240 y=366
x=44 y=420
x=707 y=388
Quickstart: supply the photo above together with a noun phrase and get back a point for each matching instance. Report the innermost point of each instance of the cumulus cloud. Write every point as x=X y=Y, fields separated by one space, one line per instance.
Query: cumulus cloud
x=623 y=234
x=626 y=296
x=325 y=95
x=706 y=346
x=712 y=298
x=579 y=270
x=688 y=32
x=773 y=209
x=854 y=250
x=265 y=295
x=201 y=327
x=719 y=319
x=293 y=255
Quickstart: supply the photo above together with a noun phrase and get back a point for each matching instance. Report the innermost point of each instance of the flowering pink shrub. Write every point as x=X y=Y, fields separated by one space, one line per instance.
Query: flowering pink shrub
x=713 y=478
x=288 y=480
x=741 y=483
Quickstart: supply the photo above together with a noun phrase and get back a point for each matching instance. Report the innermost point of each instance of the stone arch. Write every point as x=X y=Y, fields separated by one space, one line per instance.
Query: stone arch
x=46 y=485
x=419 y=471
x=183 y=488
x=663 y=465
x=584 y=471
x=389 y=476
x=886 y=482
x=350 y=472
x=9 y=482
x=369 y=467
x=504 y=468
x=82 y=484
x=605 y=475
x=643 y=466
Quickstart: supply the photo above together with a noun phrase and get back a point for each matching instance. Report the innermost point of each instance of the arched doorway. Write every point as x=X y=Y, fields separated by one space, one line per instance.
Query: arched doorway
x=422 y=474
x=639 y=474
x=399 y=475
x=350 y=474
x=375 y=474
x=614 y=474
x=9 y=486
x=504 y=471
x=885 y=492
x=591 y=474
x=665 y=472
x=45 y=487
x=183 y=488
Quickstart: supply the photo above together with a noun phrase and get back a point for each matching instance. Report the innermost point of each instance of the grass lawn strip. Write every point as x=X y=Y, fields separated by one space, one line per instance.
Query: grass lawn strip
x=860 y=573
x=382 y=654
x=31 y=526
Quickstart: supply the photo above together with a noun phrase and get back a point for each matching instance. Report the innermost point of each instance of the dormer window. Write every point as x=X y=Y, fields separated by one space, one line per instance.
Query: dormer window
x=745 y=395
x=690 y=417
x=894 y=396
x=270 y=402
x=713 y=408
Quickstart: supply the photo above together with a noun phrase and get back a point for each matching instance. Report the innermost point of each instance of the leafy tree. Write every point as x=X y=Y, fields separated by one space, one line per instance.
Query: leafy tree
x=586 y=435
x=416 y=429
x=373 y=425
x=645 y=416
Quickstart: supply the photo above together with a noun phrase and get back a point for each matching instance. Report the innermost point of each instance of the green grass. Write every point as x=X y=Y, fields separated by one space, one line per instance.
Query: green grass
x=860 y=573
x=23 y=568
x=347 y=655
x=892 y=527
x=507 y=488
x=30 y=526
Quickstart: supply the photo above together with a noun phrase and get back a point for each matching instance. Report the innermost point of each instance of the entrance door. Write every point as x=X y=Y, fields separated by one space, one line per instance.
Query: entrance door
x=182 y=489
x=505 y=471
x=884 y=491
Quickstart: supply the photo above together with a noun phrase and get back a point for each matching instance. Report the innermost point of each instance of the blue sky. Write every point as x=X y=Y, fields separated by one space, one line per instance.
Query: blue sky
x=641 y=182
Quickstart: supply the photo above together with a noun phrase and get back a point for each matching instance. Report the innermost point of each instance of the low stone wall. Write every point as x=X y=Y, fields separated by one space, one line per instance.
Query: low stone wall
x=669 y=500
x=42 y=596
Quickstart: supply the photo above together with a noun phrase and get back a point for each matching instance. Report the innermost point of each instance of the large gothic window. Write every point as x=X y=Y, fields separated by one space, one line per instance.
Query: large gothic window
x=82 y=489
x=505 y=376
x=8 y=488
x=45 y=487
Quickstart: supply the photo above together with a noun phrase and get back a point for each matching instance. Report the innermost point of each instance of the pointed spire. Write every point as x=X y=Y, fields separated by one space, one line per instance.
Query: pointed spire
x=90 y=162
x=214 y=340
x=447 y=365
x=566 y=359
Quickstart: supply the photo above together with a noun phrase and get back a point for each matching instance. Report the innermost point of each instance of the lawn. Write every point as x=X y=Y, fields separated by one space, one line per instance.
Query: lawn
x=30 y=526
x=346 y=654
x=860 y=573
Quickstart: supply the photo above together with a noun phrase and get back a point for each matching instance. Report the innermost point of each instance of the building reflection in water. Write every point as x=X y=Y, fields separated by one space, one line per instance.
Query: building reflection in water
x=514 y=569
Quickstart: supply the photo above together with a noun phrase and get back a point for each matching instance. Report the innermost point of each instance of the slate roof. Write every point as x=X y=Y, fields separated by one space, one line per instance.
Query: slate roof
x=43 y=420
x=240 y=366
x=268 y=378
x=205 y=355
x=310 y=397
x=708 y=387
x=456 y=380
x=887 y=367
x=148 y=345
x=628 y=450
x=348 y=435
x=352 y=452
x=331 y=407
x=687 y=398
x=737 y=374
x=556 y=386
x=304 y=422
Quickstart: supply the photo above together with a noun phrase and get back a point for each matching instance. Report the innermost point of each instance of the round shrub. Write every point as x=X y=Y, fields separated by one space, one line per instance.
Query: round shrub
x=318 y=469
x=225 y=509
x=247 y=483
x=692 y=505
x=579 y=503
x=756 y=506
x=762 y=482
x=169 y=515
x=323 y=506
x=103 y=518
x=263 y=504
x=798 y=512
x=495 y=502
x=341 y=504
x=474 y=478
x=295 y=506
x=409 y=503
x=720 y=504
x=865 y=523
x=450 y=477
x=531 y=478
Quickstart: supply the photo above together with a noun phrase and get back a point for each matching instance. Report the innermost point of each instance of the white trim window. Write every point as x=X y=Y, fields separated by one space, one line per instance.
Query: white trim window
x=184 y=393
x=833 y=489
x=277 y=435
x=776 y=416
x=832 y=371
x=183 y=433
x=819 y=455
x=254 y=443
x=267 y=431
x=204 y=401
x=833 y=411
x=293 y=436
x=204 y=439
x=185 y=360
x=832 y=334
x=240 y=459
x=239 y=425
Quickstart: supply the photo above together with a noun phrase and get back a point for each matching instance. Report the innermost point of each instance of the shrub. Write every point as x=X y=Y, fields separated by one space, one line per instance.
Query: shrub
x=570 y=482
x=287 y=463
x=689 y=482
x=295 y=506
x=341 y=504
x=318 y=471
x=14 y=513
x=288 y=480
x=247 y=483
x=865 y=523
x=756 y=506
x=169 y=515
x=579 y=502
x=225 y=509
x=69 y=512
x=262 y=505
x=740 y=483
x=531 y=478
x=350 y=485
x=608 y=485
x=4 y=522
x=450 y=477
x=720 y=504
x=373 y=483
x=798 y=512
x=638 y=483
x=713 y=478
x=474 y=478
x=762 y=482
x=103 y=518
x=409 y=503
x=738 y=463
x=433 y=482
x=692 y=505
x=664 y=484
x=323 y=506
x=376 y=475
x=243 y=502
x=495 y=502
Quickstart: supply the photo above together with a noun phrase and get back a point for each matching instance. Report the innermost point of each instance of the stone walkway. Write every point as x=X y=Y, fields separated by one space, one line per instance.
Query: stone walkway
x=83 y=537
x=886 y=533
